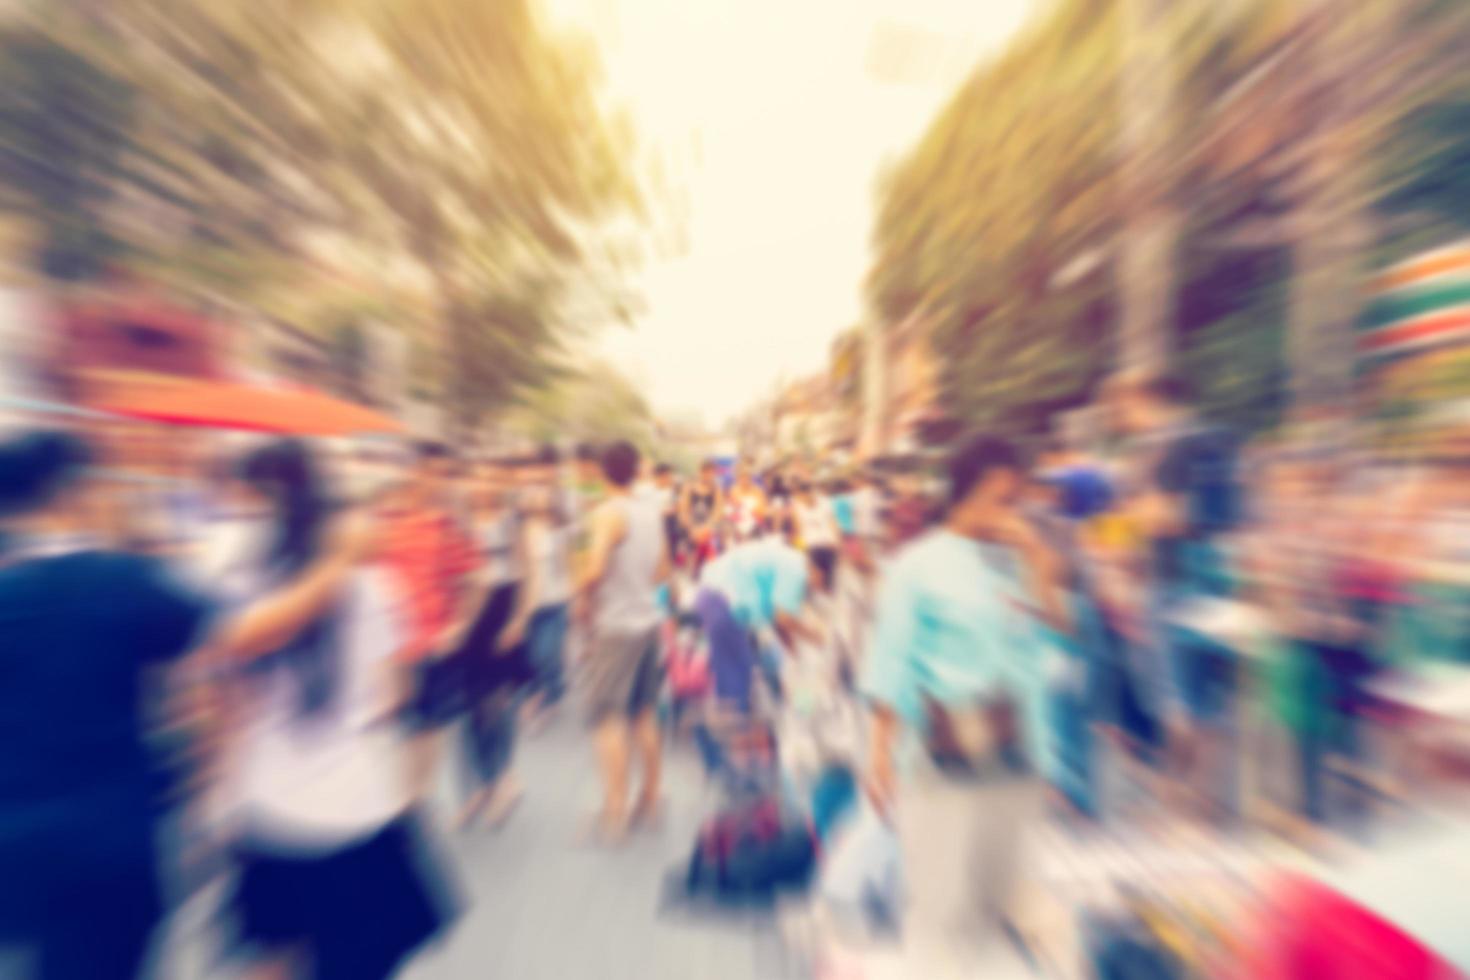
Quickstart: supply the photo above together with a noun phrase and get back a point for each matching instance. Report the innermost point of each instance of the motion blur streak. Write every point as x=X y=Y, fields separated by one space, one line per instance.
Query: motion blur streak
x=737 y=491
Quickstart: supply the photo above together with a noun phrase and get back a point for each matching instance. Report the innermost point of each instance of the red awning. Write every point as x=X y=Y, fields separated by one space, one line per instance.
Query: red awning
x=225 y=405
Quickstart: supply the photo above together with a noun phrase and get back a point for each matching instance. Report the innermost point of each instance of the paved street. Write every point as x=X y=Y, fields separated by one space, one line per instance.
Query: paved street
x=545 y=907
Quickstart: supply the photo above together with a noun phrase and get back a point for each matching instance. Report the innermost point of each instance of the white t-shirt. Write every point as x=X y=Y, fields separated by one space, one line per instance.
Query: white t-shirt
x=498 y=543
x=550 y=552
x=817 y=523
x=338 y=776
x=866 y=512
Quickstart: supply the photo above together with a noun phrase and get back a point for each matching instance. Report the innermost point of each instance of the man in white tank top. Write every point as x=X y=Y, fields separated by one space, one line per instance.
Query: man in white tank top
x=627 y=561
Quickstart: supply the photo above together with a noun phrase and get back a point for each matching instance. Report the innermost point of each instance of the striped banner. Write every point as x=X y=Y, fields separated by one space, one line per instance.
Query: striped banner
x=1413 y=346
x=1449 y=262
x=1421 y=304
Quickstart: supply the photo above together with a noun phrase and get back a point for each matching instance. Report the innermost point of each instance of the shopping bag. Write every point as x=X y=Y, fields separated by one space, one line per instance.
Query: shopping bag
x=861 y=878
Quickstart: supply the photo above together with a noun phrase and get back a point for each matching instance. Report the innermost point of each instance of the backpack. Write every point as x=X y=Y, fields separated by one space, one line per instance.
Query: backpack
x=689 y=675
x=750 y=853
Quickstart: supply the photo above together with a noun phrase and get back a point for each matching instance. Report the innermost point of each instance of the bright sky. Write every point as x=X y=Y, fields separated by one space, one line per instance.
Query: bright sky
x=771 y=119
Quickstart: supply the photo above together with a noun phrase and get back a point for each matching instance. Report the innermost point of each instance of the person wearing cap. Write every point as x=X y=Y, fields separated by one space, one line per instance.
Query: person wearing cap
x=81 y=628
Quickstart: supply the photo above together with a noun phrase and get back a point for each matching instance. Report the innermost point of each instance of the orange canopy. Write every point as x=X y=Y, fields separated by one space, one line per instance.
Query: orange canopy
x=226 y=405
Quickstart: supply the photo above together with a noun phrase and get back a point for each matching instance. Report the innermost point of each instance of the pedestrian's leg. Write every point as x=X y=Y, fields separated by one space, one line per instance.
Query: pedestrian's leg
x=935 y=822
x=504 y=784
x=476 y=787
x=650 y=756
x=538 y=696
x=611 y=739
x=554 y=641
x=998 y=848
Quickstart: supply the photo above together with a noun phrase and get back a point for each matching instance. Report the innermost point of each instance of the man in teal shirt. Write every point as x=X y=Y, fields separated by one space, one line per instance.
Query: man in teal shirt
x=957 y=627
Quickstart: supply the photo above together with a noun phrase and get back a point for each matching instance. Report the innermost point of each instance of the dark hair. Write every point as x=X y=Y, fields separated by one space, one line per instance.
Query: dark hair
x=662 y=469
x=37 y=466
x=588 y=453
x=428 y=449
x=285 y=473
x=548 y=455
x=976 y=460
x=1169 y=388
x=620 y=463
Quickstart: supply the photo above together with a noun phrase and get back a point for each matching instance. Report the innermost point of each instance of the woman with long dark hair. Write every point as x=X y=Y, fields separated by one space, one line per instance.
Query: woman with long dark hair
x=81 y=628
x=334 y=875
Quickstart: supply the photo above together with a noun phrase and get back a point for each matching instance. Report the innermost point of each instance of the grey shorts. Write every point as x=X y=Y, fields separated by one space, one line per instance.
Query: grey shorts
x=623 y=675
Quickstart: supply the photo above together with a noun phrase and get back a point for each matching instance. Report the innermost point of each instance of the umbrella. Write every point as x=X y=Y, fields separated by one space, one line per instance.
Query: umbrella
x=227 y=405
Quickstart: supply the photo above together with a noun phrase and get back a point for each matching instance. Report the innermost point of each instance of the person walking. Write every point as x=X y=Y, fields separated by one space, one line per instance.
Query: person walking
x=542 y=610
x=334 y=874
x=816 y=528
x=618 y=591
x=433 y=558
x=81 y=631
x=749 y=507
x=954 y=661
x=749 y=600
x=700 y=505
x=496 y=663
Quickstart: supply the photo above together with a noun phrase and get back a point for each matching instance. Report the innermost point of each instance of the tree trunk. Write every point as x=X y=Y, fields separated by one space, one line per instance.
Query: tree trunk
x=1331 y=222
x=1147 y=263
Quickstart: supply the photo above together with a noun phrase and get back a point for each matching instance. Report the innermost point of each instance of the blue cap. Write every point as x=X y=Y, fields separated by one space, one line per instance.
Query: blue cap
x=1085 y=492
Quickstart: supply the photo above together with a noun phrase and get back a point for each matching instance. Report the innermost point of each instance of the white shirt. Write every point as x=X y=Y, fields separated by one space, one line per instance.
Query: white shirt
x=817 y=523
x=549 y=551
x=335 y=777
x=865 y=512
x=498 y=543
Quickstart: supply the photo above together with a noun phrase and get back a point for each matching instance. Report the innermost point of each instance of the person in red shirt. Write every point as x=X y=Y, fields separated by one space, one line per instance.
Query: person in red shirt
x=435 y=563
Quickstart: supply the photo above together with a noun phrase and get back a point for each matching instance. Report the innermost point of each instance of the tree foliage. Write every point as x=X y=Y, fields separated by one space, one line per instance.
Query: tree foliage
x=1001 y=227
x=450 y=158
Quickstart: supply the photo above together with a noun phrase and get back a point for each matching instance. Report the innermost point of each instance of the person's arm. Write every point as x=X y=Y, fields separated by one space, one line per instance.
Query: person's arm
x=665 y=571
x=271 y=621
x=882 y=776
x=793 y=630
x=1041 y=568
x=888 y=682
x=684 y=508
x=608 y=529
x=717 y=512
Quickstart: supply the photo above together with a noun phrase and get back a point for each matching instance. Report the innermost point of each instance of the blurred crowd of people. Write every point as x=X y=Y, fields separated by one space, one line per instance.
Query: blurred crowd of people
x=1170 y=624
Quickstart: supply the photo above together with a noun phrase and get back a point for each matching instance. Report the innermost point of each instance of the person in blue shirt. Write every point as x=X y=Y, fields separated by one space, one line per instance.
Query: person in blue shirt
x=843 y=509
x=753 y=589
x=83 y=631
x=955 y=660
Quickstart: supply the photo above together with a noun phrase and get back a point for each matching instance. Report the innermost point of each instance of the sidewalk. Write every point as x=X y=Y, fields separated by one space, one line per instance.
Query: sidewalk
x=544 y=907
